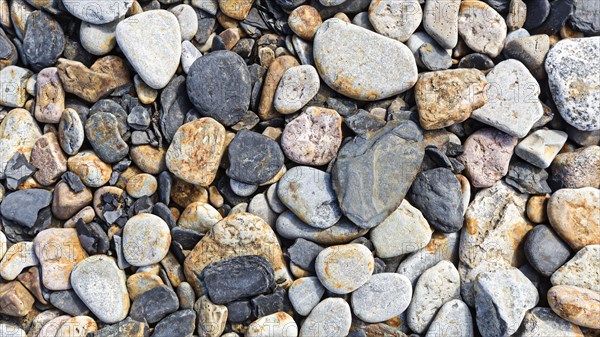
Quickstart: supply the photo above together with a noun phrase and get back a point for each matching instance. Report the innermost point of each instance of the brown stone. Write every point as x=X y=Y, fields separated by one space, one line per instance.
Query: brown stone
x=173 y=269
x=577 y=305
x=304 y=21
x=142 y=185
x=31 y=279
x=230 y=37
x=536 y=208
x=87 y=214
x=124 y=177
x=48 y=158
x=15 y=300
x=92 y=171
x=575 y=216
x=448 y=97
x=183 y=193
x=91 y=84
x=67 y=202
x=140 y=282
x=148 y=158
x=49 y=96
x=78 y=326
x=237 y=9
x=196 y=151
x=276 y=70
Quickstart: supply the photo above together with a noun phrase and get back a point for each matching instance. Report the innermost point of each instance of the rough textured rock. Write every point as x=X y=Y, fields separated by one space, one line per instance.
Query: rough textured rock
x=577 y=305
x=481 y=27
x=440 y=20
x=146 y=240
x=49 y=159
x=385 y=296
x=343 y=269
x=44 y=40
x=583 y=270
x=545 y=251
x=15 y=78
x=15 y=300
x=211 y=317
x=102 y=131
x=50 y=96
x=395 y=19
x=578 y=168
x=18 y=257
x=253 y=158
x=71 y=133
x=453 y=317
x=544 y=322
x=541 y=146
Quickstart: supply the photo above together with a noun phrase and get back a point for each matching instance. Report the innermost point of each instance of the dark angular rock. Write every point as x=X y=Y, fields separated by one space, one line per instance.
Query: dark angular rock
x=264 y=305
x=17 y=170
x=237 y=278
x=35 y=199
x=373 y=172
x=560 y=11
x=527 y=178
x=437 y=194
x=537 y=12
x=545 y=250
x=175 y=105
x=345 y=107
x=102 y=131
x=289 y=4
x=16 y=233
x=363 y=122
x=224 y=188
x=501 y=6
x=434 y=157
x=44 y=40
x=162 y=211
x=8 y=51
x=586 y=16
x=125 y=328
x=154 y=304
x=139 y=118
x=68 y=302
x=187 y=238
x=303 y=253
x=206 y=25
x=219 y=86
x=238 y=311
x=93 y=238
x=476 y=61
x=73 y=181
x=181 y=323
x=253 y=158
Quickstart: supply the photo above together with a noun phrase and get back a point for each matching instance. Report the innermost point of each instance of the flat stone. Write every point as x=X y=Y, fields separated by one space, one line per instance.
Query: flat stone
x=576 y=305
x=303 y=253
x=142 y=185
x=531 y=51
x=98 y=13
x=12 y=206
x=453 y=317
x=50 y=96
x=448 y=97
x=544 y=322
x=502 y=297
x=396 y=20
x=574 y=215
x=242 y=189
x=571 y=84
x=103 y=134
x=578 y=168
x=481 y=27
x=582 y=270
x=17 y=171
x=146 y=240
x=296 y=88
x=545 y=251
x=18 y=257
x=18 y=133
x=152 y=43
x=224 y=70
x=385 y=296
x=404 y=231
x=15 y=78
x=253 y=158
x=71 y=133
x=385 y=67
x=179 y=323
x=305 y=293
x=111 y=304
x=154 y=305
x=291 y=227
x=211 y=317
x=345 y=268
x=188 y=20
x=68 y=302
x=434 y=57
x=527 y=178
x=277 y=69
x=44 y=40
x=189 y=54
x=332 y=317
x=186 y=295
x=49 y=159
x=15 y=300
x=141 y=282
x=541 y=146
x=443 y=28
x=128 y=328
x=368 y=199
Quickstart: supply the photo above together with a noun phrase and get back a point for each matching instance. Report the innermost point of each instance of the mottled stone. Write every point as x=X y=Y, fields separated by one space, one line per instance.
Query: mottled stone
x=481 y=27
x=18 y=257
x=98 y=39
x=71 y=133
x=253 y=158
x=49 y=159
x=395 y=19
x=14 y=80
x=330 y=318
x=91 y=169
x=142 y=185
x=78 y=326
x=50 y=96
x=305 y=293
x=385 y=296
x=577 y=305
x=146 y=240
x=440 y=20
x=103 y=134
x=296 y=88
x=277 y=69
x=15 y=300
x=199 y=216
x=66 y=202
x=304 y=21
x=343 y=269
x=128 y=328
x=211 y=317
x=583 y=270
x=578 y=168
x=236 y=9
x=544 y=322
x=18 y=133
x=527 y=178
x=575 y=216
x=44 y=40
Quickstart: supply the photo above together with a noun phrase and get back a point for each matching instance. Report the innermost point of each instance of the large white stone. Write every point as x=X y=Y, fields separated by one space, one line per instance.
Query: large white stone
x=97 y=12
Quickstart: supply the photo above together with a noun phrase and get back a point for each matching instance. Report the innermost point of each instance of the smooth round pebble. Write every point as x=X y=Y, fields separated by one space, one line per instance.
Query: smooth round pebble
x=146 y=240
x=385 y=296
x=343 y=269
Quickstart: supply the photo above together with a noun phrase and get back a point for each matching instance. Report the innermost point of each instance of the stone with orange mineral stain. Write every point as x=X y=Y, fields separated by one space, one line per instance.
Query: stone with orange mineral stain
x=278 y=67
x=345 y=268
x=577 y=305
x=15 y=300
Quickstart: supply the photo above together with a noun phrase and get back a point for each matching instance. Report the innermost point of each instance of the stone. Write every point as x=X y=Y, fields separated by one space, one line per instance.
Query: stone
x=211 y=317
x=39 y=321
x=236 y=9
x=385 y=296
x=578 y=168
x=142 y=185
x=152 y=44
x=71 y=133
x=574 y=215
x=396 y=20
x=12 y=208
x=49 y=159
x=227 y=72
x=188 y=20
x=242 y=189
x=277 y=69
x=18 y=133
x=93 y=238
x=545 y=251
x=303 y=253
x=236 y=235
x=304 y=21
x=345 y=268
x=291 y=227
x=571 y=84
x=154 y=304
x=103 y=134
x=78 y=326
x=308 y=193
x=277 y=324
x=111 y=304
x=95 y=82
x=305 y=293
x=14 y=79
x=440 y=20
x=527 y=178
x=149 y=159
x=448 y=97
x=146 y=240
x=98 y=13
x=11 y=330
x=332 y=317
x=179 y=323
x=537 y=13
x=253 y=158
x=146 y=94
x=486 y=156
x=517 y=14
x=92 y=171
x=199 y=216
x=481 y=27
x=128 y=327
x=581 y=271
x=44 y=40
x=98 y=39
x=495 y=228
x=541 y=146
x=18 y=257
x=109 y=203
x=576 y=305
x=384 y=69
x=186 y=295
x=559 y=13
x=52 y=326
x=453 y=318
x=66 y=202
x=15 y=300
x=544 y=322
x=3 y=244
x=50 y=96
x=434 y=57
x=584 y=18
x=297 y=87
x=59 y=251
x=476 y=61
x=404 y=231
x=259 y=206
x=238 y=311
x=141 y=282
x=189 y=54
x=531 y=51
x=17 y=171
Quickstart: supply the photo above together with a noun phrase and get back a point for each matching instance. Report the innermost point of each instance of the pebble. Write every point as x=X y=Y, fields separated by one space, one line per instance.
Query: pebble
x=179 y=323
x=52 y=326
x=304 y=21
x=49 y=159
x=78 y=326
x=71 y=133
x=31 y=279
x=224 y=70
x=384 y=297
x=584 y=18
x=186 y=295
x=111 y=304
x=38 y=323
x=36 y=200
x=146 y=94
x=154 y=304
x=368 y=199
x=44 y=40
x=575 y=216
x=151 y=41
x=98 y=13
x=297 y=87
x=102 y=131
x=545 y=251
x=387 y=69
x=580 y=271
x=66 y=202
x=196 y=164
x=236 y=9
x=16 y=300
x=527 y=178
x=542 y=321
x=576 y=305
x=486 y=156
x=330 y=318
x=141 y=282
x=277 y=69
x=502 y=297
x=541 y=146
x=578 y=168
x=50 y=96
x=531 y=51
x=10 y=330
x=303 y=253
x=404 y=231
x=481 y=28
x=396 y=20
x=277 y=324
x=440 y=21
x=242 y=189
x=92 y=171
x=146 y=240
x=259 y=206
x=434 y=57
x=199 y=216
x=560 y=11
x=3 y=244
x=572 y=85
x=149 y=159
x=18 y=257
x=211 y=317
x=517 y=14
x=188 y=20
x=16 y=78
x=453 y=318
x=291 y=227
x=142 y=185
x=98 y=39
x=436 y=286
x=305 y=293
x=345 y=268
x=18 y=133
x=253 y=158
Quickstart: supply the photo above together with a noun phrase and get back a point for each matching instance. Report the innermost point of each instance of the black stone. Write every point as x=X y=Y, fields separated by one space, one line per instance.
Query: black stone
x=236 y=278
x=174 y=106
x=527 y=178
x=345 y=107
x=12 y=207
x=434 y=157
x=181 y=323
x=264 y=305
x=476 y=61
x=501 y=6
x=537 y=12
x=139 y=118
x=255 y=20
x=73 y=181
x=545 y=251
x=253 y=158
x=303 y=253
x=93 y=238
x=141 y=205
x=238 y=311
x=17 y=170
x=165 y=182
x=379 y=266
x=154 y=304
x=373 y=172
x=115 y=109
x=187 y=238
x=44 y=40
x=363 y=122
x=219 y=86
x=127 y=327
x=289 y=4
x=162 y=211
x=434 y=57
x=560 y=11
x=16 y=233
x=206 y=25
x=586 y=16
x=437 y=194
x=347 y=7
x=68 y=302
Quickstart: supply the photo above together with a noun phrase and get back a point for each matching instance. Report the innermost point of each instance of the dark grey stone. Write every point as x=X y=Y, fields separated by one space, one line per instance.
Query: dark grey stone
x=303 y=253
x=206 y=25
x=264 y=305
x=434 y=57
x=434 y=157
x=154 y=304
x=181 y=323
x=187 y=238
x=139 y=118
x=586 y=16
x=527 y=178
x=219 y=86
x=476 y=61
x=437 y=194
x=8 y=51
x=253 y=157
x=373 y=172
x=501 y=6
x=347 y=7
x=127 y=327
x=93 y=238
x=68 y=302
x=289 y=4
x=102 y=131
x=345 y=107
x=363 y=122
x=12 y=207
x=44 y=40
x=218 y=44
x=165 y=182
x=236 y=278
x=17 y=170
x=112 y=107
x=162 y=211
x=16 y=233
x=174 y=105
x=238 y=311
x=545 y=250
x=73 y=181
x=537 y=12
x=560 y=11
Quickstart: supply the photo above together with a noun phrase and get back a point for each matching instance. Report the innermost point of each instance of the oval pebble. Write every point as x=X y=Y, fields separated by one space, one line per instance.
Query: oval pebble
x=343 y=269
x=385 y=296
x=146 y=240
